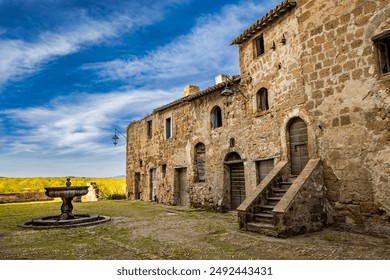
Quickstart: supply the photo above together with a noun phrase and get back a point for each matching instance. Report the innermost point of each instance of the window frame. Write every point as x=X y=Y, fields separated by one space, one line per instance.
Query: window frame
x=216 y=117
x=149 y=129
x=382 y=42
x=168 y=128
x=258 y=46
x=262 y=105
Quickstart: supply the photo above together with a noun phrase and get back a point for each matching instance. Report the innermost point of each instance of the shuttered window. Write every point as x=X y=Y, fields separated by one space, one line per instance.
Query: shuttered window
x=200 y=162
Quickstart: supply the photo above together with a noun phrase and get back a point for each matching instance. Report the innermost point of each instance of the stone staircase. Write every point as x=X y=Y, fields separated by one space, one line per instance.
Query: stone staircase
x=282 y=205
x=263 y=219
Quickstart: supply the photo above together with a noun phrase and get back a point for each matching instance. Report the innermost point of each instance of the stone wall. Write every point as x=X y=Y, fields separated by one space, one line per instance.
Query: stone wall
x=23 y=197
x=349 y=102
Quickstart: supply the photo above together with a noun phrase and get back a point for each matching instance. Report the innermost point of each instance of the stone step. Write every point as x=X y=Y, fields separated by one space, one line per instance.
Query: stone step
x=267 y=209
x=274 y=190
x=263 y=217
x=284 y=183
x=262 y=228
x=278 y=192
x=267 y=206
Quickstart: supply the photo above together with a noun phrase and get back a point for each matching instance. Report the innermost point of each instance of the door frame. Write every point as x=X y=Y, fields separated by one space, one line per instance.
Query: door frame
x=227 y=177
x=177 y=187
x=297 y=147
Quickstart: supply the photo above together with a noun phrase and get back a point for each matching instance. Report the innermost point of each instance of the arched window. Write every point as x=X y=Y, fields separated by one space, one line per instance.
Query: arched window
x=216 y=117
x=262 y=100
x=200 y=162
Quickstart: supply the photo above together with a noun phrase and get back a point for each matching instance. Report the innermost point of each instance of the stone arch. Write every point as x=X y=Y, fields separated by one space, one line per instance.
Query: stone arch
x=232 y=156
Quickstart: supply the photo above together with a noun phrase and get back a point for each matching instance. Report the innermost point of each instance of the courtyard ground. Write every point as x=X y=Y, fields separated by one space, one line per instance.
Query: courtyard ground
x=140 y=230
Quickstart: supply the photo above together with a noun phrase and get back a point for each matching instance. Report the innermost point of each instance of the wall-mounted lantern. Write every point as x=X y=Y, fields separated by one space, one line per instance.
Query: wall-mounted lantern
x=115 y=138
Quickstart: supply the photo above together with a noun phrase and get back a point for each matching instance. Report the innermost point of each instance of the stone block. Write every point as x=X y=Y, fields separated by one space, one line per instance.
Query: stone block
x=369 y=7
x=344 y=77
x=356 y=43
x=337 y=69
x=333 y=24
x=336 y=122
x=357 y=74
x=369 y=207
x=350 y=65
x=316 y=30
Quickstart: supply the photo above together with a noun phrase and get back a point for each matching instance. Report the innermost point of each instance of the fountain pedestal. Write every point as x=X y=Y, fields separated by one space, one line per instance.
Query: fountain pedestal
x=67 y=194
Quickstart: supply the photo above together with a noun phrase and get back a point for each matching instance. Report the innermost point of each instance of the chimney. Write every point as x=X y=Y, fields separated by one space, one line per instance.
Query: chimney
x=221 y=78
x=190 y=89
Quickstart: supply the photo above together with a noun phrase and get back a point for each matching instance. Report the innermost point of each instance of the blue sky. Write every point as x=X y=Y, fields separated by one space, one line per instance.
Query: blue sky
x=71 y=71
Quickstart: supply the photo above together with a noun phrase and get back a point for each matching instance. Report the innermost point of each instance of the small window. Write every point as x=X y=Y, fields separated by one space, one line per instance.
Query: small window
x=258 y=46
x=164 y=170
x=168 y=128
x=216 y=117
x=262 y=100
x=149 y=128
x=384 y=55
x=200 y=162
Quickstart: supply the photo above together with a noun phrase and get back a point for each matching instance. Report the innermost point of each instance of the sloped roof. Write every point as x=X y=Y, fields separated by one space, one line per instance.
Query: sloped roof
x=234 y=79
x=271 y=16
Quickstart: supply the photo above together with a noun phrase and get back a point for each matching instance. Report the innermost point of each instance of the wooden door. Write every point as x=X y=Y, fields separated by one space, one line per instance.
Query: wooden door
x=299 y=154
x=182 y=186
x=152 y=182
x=137 y=180
x=237 y=183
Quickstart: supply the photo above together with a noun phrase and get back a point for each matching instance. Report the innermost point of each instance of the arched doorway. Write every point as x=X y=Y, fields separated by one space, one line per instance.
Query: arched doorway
x=237 y=180
x=299 y=155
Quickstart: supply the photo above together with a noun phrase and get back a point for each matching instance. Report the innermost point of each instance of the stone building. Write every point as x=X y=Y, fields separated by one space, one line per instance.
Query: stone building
x=299 y=140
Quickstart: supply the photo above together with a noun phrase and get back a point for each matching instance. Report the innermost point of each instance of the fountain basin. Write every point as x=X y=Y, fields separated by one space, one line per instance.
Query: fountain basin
x=66 y=191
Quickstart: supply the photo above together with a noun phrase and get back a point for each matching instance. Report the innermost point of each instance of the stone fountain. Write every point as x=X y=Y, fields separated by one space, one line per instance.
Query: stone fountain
x=67 y=218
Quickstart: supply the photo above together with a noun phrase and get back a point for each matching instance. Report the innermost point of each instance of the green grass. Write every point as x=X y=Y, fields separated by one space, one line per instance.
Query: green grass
x=141 y=230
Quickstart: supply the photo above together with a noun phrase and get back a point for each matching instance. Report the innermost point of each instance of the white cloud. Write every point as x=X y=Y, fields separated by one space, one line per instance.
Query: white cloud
x=78 y=124
x=204 y=51
x=23 y=58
